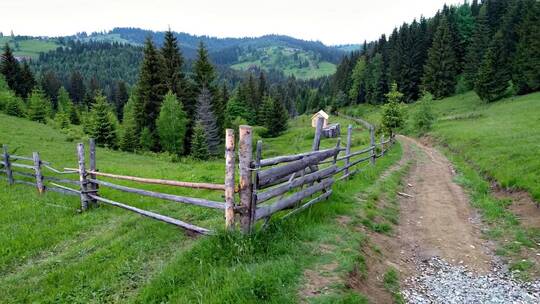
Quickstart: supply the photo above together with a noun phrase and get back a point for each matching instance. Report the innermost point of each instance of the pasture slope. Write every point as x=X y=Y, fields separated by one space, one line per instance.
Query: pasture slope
x=51 y=253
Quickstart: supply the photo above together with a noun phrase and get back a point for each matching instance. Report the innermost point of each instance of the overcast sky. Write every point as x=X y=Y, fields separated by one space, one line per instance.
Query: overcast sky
x=330 y=21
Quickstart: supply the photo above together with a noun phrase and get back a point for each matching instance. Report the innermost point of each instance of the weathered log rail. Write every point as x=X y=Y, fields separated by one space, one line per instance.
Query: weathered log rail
x=265 y=186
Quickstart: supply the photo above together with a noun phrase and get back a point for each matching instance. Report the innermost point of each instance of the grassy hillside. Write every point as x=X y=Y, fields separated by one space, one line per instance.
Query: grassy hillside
x=29 y=47
x=500 y=139
x=50 y=253
x=300 y=63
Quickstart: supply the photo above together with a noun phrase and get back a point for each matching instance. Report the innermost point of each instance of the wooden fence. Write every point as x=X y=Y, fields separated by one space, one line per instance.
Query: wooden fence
x=265 y=186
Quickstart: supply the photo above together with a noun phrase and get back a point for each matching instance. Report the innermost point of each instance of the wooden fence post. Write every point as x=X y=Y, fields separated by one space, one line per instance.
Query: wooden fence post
x=37 y=170
x=372 y=144
x=229 y=179
x=348 y=149
x=82 y=177
x=382 y=145
x=92 y=162
x=7 y=165
x=245 y=156
x=318 y=133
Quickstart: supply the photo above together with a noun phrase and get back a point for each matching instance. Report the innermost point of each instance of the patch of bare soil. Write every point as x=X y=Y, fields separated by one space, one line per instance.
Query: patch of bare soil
x=438 y=219
x=318 y=280
x=523 y=205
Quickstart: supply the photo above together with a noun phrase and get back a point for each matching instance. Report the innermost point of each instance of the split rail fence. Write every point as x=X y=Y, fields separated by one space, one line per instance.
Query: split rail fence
x=265 y=186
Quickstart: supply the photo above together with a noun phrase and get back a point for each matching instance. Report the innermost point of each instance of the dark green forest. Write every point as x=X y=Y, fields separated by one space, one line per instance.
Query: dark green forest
x=491 y=47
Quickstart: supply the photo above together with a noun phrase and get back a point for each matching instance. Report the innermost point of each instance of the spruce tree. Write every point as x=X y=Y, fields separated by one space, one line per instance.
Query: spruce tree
x=103 y=123
x=50 y=84
x=119 y=98
x=150 y=91
x=129 y=140
x=206 y=116
x=173 y=64
x=266 y=113
x=440 y=69
x=171 y=125
x=493 y=79
x=392 y=112
x=204 y=73
x=476 y=50
x=357 y=92
x=278 y=121
x=235 y=109
x=199 y=142
x=27 y=80
x=526 y=73
x=38 y=106
x=9 y=67
x=374 y=81
x=76 y=89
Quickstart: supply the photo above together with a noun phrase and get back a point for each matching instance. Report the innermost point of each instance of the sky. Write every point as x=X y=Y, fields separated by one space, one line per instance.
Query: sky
x=331 y=21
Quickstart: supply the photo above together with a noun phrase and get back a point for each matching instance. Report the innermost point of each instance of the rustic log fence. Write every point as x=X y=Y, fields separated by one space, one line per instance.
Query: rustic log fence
x=265 y=186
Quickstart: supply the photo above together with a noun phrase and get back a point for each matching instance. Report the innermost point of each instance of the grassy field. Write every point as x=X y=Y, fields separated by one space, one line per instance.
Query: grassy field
x=29 y=48
x=50 y=253
x=287 y=60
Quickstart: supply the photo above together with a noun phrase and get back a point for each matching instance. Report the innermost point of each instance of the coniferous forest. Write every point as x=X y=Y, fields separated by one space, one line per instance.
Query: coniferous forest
x=151 y=97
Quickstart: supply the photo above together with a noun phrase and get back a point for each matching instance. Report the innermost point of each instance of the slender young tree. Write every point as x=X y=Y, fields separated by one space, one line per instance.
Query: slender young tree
x=38 y=106
x=171 y=125
x=199 y=143
x=103 y=123
x=129 y=140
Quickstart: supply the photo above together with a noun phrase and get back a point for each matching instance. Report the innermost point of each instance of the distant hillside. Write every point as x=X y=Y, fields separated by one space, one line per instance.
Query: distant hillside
x=301 y=58
x=29 y=47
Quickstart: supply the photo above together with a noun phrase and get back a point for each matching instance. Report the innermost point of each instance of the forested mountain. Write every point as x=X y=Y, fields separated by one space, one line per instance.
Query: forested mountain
x=490 y=46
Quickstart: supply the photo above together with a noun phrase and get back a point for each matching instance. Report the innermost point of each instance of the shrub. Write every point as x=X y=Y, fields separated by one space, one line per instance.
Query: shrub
x=424 y=117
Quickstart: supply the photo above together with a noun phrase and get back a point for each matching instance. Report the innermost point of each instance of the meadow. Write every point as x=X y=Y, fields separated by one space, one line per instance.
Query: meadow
x=29 y=47
x=51 y=253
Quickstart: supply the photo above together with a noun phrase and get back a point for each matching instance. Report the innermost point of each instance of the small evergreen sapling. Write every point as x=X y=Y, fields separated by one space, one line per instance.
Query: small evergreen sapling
x=392 y=116
x=103 y=123
x=199 y=144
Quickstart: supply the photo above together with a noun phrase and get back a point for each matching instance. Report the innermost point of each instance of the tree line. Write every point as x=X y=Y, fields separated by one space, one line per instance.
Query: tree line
x=490 y=46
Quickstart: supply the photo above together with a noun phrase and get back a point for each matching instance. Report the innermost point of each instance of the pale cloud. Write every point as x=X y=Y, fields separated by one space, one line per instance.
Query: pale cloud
x=333 y=22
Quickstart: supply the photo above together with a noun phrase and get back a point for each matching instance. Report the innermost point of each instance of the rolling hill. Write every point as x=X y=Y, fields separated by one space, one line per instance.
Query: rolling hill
x=29 y=47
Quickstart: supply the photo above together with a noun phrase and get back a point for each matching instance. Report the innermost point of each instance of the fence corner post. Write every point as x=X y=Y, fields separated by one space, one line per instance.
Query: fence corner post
x=7 y=165
x=245 y=156
x=372 y=144
x=37 y=170
x=93 y=187
x=318 y=133
x=229 y=179
x=82 y=177
x=348 y=150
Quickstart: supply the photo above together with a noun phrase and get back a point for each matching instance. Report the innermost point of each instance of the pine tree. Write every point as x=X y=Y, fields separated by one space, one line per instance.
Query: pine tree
x=103 y=123
x=266 y=112
x=479 y=44
x=150 y=91
x=51 y=84
x=9 y=67
x=27 y=80
x=171 y=125
x=236 y=109
x=206 y=116
x=173 y=64
x=129 y=140
x=205 y=75
x=199 y=142
x=64 y=102
x=374 y=80
x=120 y=97
x=440 y=69
x=526 y=73
x=279 y=119
x=38 y=106
x=76 y=89
x=493 y=79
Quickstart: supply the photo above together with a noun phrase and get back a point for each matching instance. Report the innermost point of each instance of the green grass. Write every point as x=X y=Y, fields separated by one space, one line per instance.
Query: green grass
x=282 y=58
x=29 y=47
x=50 y=253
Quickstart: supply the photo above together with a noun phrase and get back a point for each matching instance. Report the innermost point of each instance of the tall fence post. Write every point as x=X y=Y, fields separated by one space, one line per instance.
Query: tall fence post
x=245 y=157
x=82 y=177
x=7 y=165
x=37 y=170
x=348 y=149
x=318 y=133
x=372 y=144
x=229 y=179
x=255 y=186
x=382 y=145
x=92 y=187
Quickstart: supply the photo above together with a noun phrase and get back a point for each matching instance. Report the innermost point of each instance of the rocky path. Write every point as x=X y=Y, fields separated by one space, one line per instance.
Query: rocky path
x=442 y=256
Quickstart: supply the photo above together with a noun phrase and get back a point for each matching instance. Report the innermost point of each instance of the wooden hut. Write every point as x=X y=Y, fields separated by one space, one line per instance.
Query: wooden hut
x=316 y=116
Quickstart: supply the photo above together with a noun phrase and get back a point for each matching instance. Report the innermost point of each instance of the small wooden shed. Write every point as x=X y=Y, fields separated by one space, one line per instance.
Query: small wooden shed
x=316 y=116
